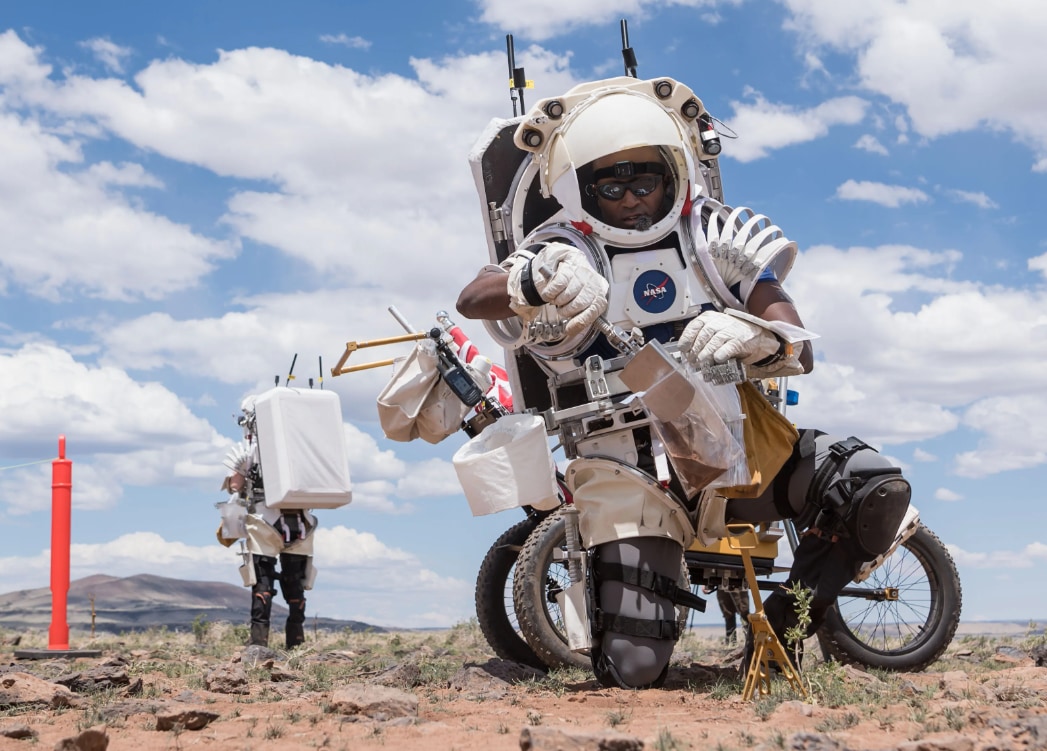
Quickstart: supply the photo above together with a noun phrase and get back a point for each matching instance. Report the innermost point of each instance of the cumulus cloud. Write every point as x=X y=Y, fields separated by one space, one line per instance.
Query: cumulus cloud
x=954 y=67
x=102 y=409
x=53 y=216
x=763 y=126
x=926 y=370
x=944 y=494
x=891 y=196
x=1013 y=433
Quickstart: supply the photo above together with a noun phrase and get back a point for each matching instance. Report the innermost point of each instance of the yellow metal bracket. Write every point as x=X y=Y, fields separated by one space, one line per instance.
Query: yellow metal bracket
x=350 y=347
x=767 y=647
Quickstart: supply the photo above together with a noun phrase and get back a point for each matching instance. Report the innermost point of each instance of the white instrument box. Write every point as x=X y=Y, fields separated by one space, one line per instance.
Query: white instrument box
x=301 y=446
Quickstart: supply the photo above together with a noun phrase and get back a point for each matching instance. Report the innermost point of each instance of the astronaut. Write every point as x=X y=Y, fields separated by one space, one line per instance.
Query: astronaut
x=273 y=535
x=638 y=244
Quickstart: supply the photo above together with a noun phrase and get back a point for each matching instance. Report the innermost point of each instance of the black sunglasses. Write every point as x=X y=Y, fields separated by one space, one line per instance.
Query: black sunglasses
x=640 y=186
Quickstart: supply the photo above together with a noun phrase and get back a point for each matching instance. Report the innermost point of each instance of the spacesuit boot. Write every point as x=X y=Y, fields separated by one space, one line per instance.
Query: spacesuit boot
x=259 y=635
x=262 y=599
x=295 y=631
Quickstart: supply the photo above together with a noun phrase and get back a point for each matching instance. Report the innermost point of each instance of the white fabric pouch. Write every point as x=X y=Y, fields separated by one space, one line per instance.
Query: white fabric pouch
x=507 y=466
x=416 y=403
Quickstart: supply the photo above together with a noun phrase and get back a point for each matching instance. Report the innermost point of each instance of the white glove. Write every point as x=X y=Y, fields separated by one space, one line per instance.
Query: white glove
x=716 y=338
x=561 y=276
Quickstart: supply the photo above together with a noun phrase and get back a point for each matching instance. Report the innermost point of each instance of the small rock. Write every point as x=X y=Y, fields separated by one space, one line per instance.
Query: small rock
x=1039 y=655
x=940 y=743
x=255 y=653
x=559 y=739
x=227 y=679
x=92 y=739
x=814 y=742
x=18 y=732
x=376 y=702
x=24 y=690
x=187 y=719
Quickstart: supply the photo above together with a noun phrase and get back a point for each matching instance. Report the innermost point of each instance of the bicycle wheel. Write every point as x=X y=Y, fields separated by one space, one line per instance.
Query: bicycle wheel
x=904 y=616
x=494 y=596
x=536 y=582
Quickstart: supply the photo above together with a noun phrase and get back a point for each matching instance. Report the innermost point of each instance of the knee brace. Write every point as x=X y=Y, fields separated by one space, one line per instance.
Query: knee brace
x=264 y=588
x=860 y=496
x=634 y=618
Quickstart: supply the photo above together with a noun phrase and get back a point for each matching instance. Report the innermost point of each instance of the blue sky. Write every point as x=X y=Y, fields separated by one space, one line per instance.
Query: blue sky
x=191 y=194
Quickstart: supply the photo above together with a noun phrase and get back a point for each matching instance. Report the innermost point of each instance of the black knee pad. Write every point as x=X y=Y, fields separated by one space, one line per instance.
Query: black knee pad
x=876 y=511
x=849 y=490
x=635 y=624
x=265 y=574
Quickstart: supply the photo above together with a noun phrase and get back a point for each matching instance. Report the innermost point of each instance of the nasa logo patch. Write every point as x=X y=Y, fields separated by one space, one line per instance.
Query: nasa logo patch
x=654 y=291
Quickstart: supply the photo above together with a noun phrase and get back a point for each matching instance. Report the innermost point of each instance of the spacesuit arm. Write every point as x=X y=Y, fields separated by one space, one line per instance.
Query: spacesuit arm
x=558 y=279
x=487 y=296
x=740 y=247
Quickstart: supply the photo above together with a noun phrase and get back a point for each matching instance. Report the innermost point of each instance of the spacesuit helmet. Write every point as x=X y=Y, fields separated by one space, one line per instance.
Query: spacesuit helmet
x=570 y=135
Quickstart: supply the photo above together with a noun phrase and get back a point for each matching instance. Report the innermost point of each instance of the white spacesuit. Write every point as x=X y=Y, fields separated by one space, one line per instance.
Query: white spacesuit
x=582 y=287
x=297 y=438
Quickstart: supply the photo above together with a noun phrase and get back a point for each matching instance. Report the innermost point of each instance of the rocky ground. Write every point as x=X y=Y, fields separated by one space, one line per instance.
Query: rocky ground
x=446 y=690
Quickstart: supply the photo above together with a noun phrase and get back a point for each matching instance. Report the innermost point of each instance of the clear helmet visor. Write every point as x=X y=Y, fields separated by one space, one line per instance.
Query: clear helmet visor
x=607 y=125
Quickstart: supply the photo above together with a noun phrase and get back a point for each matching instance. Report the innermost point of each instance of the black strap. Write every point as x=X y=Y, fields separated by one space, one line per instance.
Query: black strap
x=530 y=292
x=651 y=581
x=622 y=170
x=839 y=453
x=623 y=624
x=773 y=358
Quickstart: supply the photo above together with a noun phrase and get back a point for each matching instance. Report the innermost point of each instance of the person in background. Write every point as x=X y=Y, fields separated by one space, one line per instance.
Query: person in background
x=279 y=543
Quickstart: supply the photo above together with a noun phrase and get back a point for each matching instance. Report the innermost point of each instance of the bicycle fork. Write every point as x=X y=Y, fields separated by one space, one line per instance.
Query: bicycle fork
x=573 y=601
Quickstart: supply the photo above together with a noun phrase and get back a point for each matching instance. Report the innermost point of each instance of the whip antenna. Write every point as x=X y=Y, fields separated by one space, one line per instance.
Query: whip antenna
x=627 y=52
x=517 y=79
x=290 y=370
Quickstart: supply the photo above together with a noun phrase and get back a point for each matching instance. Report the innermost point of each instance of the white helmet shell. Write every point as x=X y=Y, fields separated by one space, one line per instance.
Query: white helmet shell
x=597 y=119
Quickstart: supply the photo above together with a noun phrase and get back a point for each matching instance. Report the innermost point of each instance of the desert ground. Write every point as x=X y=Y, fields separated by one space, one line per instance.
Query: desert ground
x=439 y=690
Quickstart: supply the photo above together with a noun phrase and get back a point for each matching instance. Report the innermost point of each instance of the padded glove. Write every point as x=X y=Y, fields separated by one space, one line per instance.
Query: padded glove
x=561 y=276
x=716 y=338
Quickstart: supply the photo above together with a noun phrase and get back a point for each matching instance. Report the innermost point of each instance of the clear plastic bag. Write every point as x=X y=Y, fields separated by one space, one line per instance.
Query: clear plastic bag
x=705 y=443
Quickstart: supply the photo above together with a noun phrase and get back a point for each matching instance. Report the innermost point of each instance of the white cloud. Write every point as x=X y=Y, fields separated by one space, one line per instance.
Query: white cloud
x=1013 y=432
x=102 y=409
x=53 y=217
x=1031 y=555
x=955 y=67
x=1039 y=263
x=352 y=42
x=871 y=144
x=944 y=494
x=549 y=18
x=120 y=432
x=891 y=196
x=111 y=55
x=979 y=199
x=920 y=455
x=912 y=374
x=763 y=126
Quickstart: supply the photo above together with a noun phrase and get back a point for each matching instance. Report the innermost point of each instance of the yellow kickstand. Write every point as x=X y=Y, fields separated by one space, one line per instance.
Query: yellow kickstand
x=766 y=646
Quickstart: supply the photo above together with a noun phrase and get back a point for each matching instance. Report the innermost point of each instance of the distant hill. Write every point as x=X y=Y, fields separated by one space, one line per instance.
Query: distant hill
x=144 y=601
